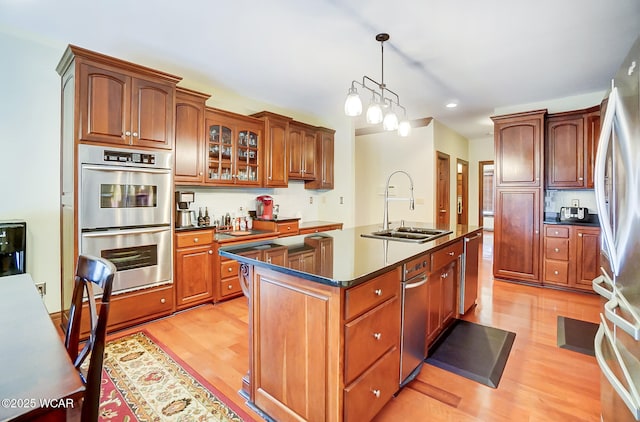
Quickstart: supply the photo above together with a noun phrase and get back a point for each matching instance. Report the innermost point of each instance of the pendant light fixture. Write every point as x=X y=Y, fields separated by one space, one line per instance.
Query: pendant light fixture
x=384 y=102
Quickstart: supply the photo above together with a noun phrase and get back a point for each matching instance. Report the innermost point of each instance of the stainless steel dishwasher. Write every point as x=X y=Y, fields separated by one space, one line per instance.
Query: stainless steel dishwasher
x=414 y=318
x=469 y=273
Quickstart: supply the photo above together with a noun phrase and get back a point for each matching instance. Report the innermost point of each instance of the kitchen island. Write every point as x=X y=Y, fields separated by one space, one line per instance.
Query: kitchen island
x=325 y=316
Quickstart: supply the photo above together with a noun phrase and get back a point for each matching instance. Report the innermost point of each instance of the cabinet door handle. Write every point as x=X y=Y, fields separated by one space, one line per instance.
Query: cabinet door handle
x=377 y=336
x=557 y=249
x=556 y=272
x=210 y=252
x=135 y=134
x=269 y=260
x=580 y=178
x=378 y=292
x=451 y=253
x=579 y=234
x=127 y=133
x=376 y=393
x=269 y=178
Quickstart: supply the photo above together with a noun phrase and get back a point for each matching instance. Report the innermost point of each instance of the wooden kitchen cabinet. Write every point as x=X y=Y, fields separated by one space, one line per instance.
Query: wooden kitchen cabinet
x=234 y=148
x=302 y=259
x=519 y=153
x=302 y=151
x=571 y=256
x=442 y=291
x=517 y=239
x=571 y=144
x=194 y=268
x=342 y=364
x=276 y=154
x=324 y=160
x=190 y=140
x=519 y=149
x=118 y=105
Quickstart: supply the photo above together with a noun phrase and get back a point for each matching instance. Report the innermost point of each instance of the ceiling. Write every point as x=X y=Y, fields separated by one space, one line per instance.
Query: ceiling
x=303 y=55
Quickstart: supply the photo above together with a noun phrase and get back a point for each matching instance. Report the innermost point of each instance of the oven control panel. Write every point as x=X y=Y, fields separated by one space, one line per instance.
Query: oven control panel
x=129 y=157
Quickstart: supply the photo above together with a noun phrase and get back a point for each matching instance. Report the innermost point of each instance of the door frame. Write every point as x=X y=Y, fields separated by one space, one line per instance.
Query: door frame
x=443 y=156
x=465 y=191
x=481 y=166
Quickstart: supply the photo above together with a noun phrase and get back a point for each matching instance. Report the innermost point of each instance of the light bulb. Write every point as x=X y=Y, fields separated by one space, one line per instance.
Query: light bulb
x=390 y=121
x=404 y=128
x=353 y=104
x=374 y=113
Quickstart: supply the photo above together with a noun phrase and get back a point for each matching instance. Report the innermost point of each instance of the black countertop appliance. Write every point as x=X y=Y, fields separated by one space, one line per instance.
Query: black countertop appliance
x=574 y=214
x=13 y=236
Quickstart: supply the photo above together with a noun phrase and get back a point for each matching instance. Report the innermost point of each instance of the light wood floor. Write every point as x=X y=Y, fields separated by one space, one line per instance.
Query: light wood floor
x=541 y=382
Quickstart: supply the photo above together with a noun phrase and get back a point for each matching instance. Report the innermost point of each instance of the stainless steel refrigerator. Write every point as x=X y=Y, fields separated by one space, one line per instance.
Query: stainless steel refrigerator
x=617 y=190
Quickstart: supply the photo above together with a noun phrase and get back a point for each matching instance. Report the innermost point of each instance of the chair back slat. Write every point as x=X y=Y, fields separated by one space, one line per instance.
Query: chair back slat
x=90 y=272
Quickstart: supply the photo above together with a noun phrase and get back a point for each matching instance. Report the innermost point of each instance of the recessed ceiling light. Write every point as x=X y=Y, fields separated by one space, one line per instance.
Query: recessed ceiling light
x=452 y=105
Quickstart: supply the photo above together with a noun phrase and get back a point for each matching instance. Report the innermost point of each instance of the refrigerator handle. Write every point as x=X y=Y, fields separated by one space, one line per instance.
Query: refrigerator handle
x=598 y=176
x=619 y=303
x=603 y=286
x=630 y=399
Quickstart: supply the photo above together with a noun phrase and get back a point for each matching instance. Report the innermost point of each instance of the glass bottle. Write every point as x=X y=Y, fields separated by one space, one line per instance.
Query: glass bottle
x=200 y=217
x=207 y=219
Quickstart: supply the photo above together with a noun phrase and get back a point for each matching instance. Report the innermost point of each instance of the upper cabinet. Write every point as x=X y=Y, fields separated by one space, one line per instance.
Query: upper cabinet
x=120 y=102
x=571 y=143
x=324 y=160
x=518 y=149
x=234 y=148
x=302 y=151
x=276 y=154
x=190 y=136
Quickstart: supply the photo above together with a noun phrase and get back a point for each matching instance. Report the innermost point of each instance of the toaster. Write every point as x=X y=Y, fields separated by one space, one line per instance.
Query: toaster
x=574 y=214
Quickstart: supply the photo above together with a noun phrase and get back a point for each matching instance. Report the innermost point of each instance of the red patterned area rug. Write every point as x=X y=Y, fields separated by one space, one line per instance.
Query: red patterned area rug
x=143 y=381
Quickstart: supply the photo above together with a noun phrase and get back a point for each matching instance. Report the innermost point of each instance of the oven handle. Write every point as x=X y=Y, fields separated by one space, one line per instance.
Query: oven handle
x=126 y=168
x=119 y=232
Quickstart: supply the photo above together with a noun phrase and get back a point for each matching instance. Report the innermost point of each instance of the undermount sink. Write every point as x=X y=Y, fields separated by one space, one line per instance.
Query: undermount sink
x=408 y=234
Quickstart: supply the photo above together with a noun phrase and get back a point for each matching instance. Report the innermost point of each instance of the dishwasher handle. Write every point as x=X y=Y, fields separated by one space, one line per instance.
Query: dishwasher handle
x=411 y=284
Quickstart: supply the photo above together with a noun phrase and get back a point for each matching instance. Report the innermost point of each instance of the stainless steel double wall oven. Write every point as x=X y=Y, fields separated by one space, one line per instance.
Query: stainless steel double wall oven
x=124 y=213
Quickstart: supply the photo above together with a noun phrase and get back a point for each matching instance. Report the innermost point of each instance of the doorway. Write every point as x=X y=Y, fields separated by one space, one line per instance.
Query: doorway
x=486 y=182
x=443 y=178
x=462 y=191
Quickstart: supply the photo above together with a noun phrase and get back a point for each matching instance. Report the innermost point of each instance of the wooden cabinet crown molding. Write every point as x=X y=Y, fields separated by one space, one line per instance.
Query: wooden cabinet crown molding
x=74 y=52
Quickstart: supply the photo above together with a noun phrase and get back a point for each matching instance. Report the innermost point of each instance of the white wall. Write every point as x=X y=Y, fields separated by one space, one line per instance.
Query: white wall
x=376 y=157
x=30 y=153
x=480 y=149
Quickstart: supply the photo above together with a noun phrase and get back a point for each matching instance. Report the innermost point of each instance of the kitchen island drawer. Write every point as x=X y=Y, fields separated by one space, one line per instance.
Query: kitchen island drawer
x=557 y=248
x=445 y=255
x=371 y=293
x=368 y=394
x=369 y=336
x=194 y=238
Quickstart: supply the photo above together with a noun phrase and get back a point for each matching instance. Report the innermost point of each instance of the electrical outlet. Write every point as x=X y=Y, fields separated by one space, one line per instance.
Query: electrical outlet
x=311 y=199
x=341 y=200
x=42 y=288
x=575 y=202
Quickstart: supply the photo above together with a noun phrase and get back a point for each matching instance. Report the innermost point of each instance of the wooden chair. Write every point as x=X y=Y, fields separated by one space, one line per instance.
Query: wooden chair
x=90 y=271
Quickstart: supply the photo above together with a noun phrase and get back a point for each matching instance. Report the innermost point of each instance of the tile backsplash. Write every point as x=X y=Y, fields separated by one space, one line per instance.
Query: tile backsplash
x=554 y=199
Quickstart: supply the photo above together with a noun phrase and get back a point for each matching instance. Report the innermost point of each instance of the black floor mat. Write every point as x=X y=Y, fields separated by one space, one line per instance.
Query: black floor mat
x=473 y=351
x=576 y=335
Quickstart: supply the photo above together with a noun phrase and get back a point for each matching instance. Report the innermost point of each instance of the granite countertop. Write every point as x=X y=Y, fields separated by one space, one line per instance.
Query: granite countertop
x=554 y=218
x=355 y=259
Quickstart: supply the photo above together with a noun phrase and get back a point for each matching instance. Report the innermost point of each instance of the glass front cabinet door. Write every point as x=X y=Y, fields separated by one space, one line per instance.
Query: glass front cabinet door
x=233 y=149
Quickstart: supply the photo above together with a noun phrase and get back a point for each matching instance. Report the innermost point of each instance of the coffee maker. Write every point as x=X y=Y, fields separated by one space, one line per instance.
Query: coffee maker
x=185 y=217
x=264 y=207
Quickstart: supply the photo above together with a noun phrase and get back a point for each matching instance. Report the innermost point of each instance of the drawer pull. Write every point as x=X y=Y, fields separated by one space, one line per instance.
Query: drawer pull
x=378 y=292
x=230 y=287
x=230 y=269
x=163 y=300
x=556 y=232
x=376 y=393
x=210 y=252
x=196 y=240
x=288 y=227
x=377 y=336
x=556 y=272
x=557 y=249
x=451 y=253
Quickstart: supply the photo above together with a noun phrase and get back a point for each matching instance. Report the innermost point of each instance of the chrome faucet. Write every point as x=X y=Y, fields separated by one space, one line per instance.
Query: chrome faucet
x=385 y=219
